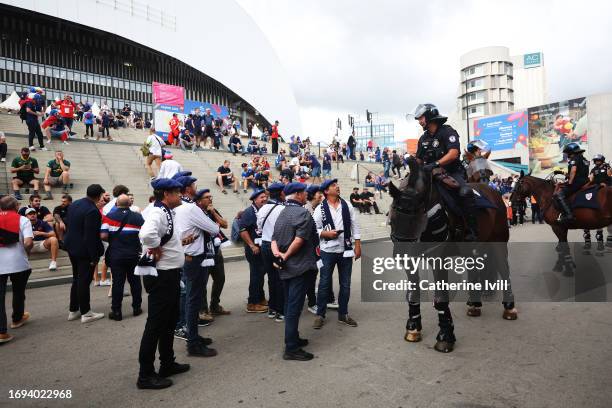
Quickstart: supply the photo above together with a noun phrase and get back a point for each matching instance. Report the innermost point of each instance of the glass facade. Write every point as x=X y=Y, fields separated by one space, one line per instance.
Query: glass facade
x=383 y=134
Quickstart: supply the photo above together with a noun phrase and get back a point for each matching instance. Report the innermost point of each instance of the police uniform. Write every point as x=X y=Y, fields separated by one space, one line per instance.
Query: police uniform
x=581 y=177
x=600 y=174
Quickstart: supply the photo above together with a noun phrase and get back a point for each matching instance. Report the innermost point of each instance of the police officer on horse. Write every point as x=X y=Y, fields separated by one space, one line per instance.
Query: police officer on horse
x=601 y=173
x=439 y=147
x=577 y=176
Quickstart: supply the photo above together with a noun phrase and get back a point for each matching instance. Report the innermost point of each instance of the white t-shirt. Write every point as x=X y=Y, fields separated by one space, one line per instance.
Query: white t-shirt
x=295 y=161
x=169 y=168
x=155 y=144
x=14 y=257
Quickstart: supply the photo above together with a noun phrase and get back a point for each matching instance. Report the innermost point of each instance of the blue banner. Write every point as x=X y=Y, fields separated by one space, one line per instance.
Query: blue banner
x=218 y=111
x=503 y=132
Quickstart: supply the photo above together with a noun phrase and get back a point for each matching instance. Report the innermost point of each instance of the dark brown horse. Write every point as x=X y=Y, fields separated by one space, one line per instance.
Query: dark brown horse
x=418 y=214
x=584 y=218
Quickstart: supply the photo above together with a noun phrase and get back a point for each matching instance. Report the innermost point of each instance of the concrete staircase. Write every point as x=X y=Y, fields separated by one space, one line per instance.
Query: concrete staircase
x=121 y=162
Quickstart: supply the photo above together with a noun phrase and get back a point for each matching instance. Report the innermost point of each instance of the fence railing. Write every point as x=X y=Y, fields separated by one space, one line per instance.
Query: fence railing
x=144 y=11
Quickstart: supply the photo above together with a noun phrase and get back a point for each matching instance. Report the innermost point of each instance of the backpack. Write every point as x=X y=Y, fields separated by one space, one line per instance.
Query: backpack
x=9 y=228
x=236 y=231
x=23 y=114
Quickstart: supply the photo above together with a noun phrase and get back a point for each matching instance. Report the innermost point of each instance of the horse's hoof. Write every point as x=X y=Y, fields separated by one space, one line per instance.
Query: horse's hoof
x=413 y=336
x=473 y=311
x=510 y=314
x=444 y=346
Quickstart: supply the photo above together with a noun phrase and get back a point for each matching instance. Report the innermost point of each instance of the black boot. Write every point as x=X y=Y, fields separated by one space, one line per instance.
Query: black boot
x=566 y=212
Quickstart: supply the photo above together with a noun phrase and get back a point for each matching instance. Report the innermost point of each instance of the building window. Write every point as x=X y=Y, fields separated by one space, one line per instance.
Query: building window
x=2 y=63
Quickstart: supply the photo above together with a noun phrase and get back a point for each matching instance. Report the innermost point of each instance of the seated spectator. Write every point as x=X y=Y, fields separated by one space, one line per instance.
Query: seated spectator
x=265 y=135
x=367 y=201
x=42 y=212
x=169 y=166
x=235 y=145
x=55 y=125
x=44 y=237
x=294 y=148
x=356 y=200
x=248 y=177
x=263 y=149
x=186 y=141
x=286 y=175
x=59 y=218
x=3 y=147
x=265 y=164
x=25 y=169
x=57 y=174
x=253 y=146
x=280 y=160
x=381 y=182
x=225 y=177
x=370 y=180
x=261 y=177
x=361 y=156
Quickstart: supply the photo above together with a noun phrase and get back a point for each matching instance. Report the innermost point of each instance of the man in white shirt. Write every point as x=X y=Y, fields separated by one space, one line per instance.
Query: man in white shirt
x=169 y=167
x=340 y=242
x=192 y=222
x=160 y=239
x=17 y=241
x=266 y=219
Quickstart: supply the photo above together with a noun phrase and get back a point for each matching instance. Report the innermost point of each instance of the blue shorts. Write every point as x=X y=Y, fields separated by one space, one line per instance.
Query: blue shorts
x=316 y=171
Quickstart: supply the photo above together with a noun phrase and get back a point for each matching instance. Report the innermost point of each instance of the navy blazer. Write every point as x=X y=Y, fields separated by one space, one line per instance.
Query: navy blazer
x=82 y=238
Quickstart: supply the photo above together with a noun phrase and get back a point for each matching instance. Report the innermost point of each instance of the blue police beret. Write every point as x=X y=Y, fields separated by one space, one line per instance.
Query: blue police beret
x=325 y=185
x=312 y=188
x=257 y=193
x=186 y=181
x=165 y=184
x=201 y=193
x=276 y=186
x=294 y=187
x=181 y=174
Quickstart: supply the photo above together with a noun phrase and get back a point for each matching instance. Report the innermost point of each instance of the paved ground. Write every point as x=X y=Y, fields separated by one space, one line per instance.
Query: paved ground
x=555 y=355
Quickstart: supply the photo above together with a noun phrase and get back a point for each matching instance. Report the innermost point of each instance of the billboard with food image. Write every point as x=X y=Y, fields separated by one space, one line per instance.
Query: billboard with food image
x=551 y=128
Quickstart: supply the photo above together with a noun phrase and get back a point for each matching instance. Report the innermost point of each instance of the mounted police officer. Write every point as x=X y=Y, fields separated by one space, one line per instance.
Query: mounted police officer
x=577 y=176
x=477 y=156
x=439 y=147
x=601 y=173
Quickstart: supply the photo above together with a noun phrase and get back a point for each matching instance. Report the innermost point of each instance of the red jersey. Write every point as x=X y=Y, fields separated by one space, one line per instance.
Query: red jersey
x=274 y=132
x=50 y=121
x=67 y=109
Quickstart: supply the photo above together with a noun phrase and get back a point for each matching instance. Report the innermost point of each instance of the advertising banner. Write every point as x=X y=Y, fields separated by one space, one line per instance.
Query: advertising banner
x=551 y=128
x=162 y=113
x=218 y=111
x=164 y=94
x=502 y=132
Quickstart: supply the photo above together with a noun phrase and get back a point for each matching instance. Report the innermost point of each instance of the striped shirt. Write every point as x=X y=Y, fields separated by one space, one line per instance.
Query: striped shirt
x=126 y=244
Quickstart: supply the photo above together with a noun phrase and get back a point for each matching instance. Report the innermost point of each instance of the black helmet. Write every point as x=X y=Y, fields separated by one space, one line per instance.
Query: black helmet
x=599 y=157
x=431 y=113
x=573 y=148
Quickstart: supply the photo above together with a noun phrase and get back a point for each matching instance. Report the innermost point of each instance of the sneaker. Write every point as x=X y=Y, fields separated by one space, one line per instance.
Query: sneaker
x=313 y=309
x=5 y=338
x=48 y=141
x=219 y=311
x=279 y=318
x=137 y=311
x=253 y=308
x=44 y=149
x=91 y=317
x=115 y=316
x=52 y=265
x=206 y=316
x=200 y=350
x=346 y=319
x=204 y=322
x=271 y=314
x=319 y=321
x=3 y=160
x=298 y=355
x=24 y=319
x=105 y=282
x=66 y=142
x=32 y=148
x=73 y=315
x=180 y=334
x=333 y=305
x=174 y=368
x=153 y=382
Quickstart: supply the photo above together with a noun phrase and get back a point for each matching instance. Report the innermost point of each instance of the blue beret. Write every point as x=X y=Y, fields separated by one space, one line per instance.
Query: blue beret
x=201 y=193
x=325 y=185
x=276 y=186
x=313 y=188
x=257 y=193
x=165 y=184
x=294 y=187
x=186 y=181
x=181 y=174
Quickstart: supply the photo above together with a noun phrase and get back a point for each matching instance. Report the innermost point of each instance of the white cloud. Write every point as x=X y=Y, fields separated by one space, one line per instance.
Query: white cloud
x=388 y=56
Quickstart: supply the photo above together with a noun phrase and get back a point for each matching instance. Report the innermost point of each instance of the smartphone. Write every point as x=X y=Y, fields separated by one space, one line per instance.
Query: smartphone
x=339 y=232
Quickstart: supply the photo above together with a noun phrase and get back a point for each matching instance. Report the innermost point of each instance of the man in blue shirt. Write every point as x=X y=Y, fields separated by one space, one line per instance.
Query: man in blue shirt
x=35 y=110
x=316 y=168
x=327 y=160
x=207 y=121
x=197 y=125
x=294 y=148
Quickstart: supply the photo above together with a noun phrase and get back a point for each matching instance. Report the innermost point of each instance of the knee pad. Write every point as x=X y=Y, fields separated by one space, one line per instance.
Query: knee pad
x=586 y=235
x=599 y=235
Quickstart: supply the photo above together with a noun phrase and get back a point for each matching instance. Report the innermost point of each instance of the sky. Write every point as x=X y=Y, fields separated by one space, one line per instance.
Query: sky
x=346 y=56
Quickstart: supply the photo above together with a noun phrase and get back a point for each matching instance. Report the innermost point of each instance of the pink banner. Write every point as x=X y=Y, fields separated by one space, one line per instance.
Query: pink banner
x=164 y=94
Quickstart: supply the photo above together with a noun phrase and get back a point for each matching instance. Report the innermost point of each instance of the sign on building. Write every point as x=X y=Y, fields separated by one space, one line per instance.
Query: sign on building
x=532 y=60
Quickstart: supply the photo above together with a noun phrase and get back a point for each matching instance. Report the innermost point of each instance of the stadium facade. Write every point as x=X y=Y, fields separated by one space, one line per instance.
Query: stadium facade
x=110 y=52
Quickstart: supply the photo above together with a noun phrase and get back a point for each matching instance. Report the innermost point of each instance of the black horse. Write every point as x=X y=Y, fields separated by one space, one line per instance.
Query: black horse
x=418 y=214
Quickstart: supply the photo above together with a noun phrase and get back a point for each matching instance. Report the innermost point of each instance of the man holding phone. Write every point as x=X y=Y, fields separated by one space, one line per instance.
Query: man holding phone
x=340 y=242
x=25 y=169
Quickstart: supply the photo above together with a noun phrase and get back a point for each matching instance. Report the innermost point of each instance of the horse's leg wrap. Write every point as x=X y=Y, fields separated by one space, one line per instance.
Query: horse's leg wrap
x=600 y=240
x=414 y=316
x=445 y=321
x=587 y=238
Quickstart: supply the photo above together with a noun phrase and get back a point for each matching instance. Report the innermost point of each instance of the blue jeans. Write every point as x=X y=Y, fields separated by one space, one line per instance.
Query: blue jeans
x=345 y=268
x=295 y=293
x=195 y=276
x=181 y=323
x=256 y=277
x=387 y=168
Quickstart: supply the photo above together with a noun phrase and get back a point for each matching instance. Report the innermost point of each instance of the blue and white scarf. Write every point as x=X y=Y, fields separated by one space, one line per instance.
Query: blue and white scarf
x=328 y=225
